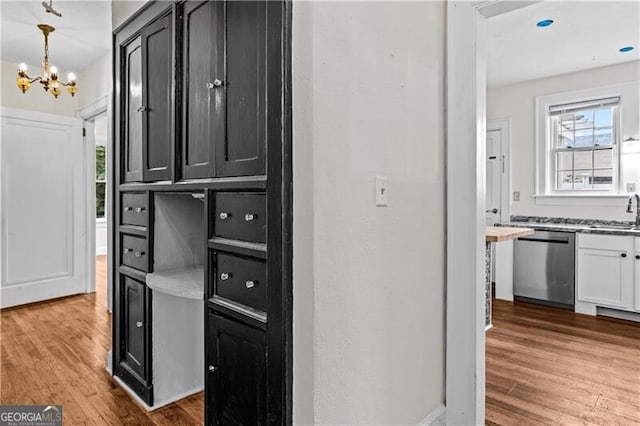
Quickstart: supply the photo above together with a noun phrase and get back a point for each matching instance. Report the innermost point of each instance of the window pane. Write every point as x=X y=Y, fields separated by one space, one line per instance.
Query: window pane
x=582 y=160
x=564 y=181
x=584 y=120
x=564 y=160
x=100 y=190
x=603 y=179
x=582 y=180
x=603 y=159
x=584 y=137
x=604 y=136
x=565 y=140
x=603 y=117
x=101 y=172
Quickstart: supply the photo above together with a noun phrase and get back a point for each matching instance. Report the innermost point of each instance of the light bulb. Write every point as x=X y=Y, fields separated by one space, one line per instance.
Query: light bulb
x=71 y=77
x=54 y=70
x=22 y=67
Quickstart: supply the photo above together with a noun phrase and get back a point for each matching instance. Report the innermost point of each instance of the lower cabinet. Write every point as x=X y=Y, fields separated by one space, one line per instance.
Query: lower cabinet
x=636 y=258
x=236 y=373
x=134 y=346
x=605 y=271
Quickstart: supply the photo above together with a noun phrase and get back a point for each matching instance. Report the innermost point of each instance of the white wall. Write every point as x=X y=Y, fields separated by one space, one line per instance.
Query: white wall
x=121 y=10
x=517 y=102
x=95 y=81
x=36 y=99
x=369 y=282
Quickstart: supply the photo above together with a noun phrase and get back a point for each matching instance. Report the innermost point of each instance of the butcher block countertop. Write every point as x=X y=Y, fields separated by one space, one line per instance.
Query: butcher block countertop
x=495 y=234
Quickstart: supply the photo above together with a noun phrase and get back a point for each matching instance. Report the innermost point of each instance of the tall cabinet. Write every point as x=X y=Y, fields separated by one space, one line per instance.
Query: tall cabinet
x=202 y=106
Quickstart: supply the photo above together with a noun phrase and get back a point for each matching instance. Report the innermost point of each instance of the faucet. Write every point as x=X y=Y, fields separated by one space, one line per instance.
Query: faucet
x=629 y=210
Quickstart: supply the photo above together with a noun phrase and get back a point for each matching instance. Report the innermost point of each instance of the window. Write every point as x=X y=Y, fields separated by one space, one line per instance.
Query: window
x=101 y=180
x=582 y=146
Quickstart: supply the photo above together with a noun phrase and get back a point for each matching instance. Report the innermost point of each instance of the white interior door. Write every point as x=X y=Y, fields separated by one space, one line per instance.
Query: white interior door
x=43 y=207
x=494 y=176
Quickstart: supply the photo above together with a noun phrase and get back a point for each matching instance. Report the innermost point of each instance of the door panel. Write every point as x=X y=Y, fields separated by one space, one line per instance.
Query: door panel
x=242 y=151
x=203 y=62
x=132 y=129
x=238 y=382
x=494 y=181
x=157 y=99
x=133 y=336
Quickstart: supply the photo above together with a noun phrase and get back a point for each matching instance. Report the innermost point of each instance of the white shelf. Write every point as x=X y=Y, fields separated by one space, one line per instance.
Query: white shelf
x=187 y=283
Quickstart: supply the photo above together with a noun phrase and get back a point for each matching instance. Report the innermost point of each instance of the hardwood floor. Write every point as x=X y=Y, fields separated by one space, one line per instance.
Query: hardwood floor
x=54 y=352
x=549 y=366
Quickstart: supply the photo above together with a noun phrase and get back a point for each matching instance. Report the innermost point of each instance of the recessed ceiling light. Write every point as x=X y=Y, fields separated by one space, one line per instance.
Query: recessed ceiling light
x=544 y=23
x=626 y=49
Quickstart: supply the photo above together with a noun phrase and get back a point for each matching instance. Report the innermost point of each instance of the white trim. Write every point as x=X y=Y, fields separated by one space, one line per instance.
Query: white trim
x=436 y=418
x=504 y=126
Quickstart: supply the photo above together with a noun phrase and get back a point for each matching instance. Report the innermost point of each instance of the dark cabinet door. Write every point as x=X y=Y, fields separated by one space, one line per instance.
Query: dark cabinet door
x=133 y=348
x=203 y=70
x=236 y=373
x=241 y=140
x=157 y=99
x=131 y=136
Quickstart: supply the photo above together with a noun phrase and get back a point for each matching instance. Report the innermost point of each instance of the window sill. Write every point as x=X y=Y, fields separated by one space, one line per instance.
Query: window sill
x=101 y=222
x=611 y=200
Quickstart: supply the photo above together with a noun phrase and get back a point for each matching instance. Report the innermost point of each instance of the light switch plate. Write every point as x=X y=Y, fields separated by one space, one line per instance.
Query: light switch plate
x=382 y=191
x=516 y=195
x=631 y=187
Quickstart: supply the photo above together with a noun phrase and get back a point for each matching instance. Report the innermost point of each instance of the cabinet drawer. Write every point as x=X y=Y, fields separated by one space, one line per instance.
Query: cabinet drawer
x=241 y=279
x=241 y=216
x=134 y=209
x=621 y=243
x=134 y=252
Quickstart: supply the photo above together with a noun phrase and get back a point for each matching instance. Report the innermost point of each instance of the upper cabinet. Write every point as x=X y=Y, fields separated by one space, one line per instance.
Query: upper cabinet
x=225 y=71
x=144 y=64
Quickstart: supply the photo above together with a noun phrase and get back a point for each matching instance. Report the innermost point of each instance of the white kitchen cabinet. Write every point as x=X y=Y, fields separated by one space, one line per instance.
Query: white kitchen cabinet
x=636 y=262
x=605 y=273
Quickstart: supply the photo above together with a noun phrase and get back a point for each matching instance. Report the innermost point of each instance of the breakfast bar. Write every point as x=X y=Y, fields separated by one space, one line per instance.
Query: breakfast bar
x=494 y=234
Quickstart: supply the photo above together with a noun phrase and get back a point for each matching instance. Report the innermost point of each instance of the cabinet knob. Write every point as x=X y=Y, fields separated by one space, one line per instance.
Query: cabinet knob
x=139 y=253
x=127 y=250
x=224 y=276
x=128 y=209
x=250 y=284
x=623 y=255
x=140 y=209
x=224 y=215
x=212 y=369
x=216 y=83
x=638 y=256
x=139 y=324
x=142 y=109
x=249 y=217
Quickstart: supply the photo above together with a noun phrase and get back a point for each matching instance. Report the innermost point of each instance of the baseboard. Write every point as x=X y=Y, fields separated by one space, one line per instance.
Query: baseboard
x=437 y=417
x=101 y=251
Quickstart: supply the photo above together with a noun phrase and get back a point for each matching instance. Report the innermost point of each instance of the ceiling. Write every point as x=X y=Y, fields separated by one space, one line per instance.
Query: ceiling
x=585 y=34
x=82 y=35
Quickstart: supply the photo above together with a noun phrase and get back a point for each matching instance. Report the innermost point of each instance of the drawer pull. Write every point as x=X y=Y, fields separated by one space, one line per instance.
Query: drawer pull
x=128 y=209
x=250 y=284
x=224 y=215
x=127 y=250
x=140 y=209
x=224 y=276
x=139 y=253
x=216 y=83
x=249 y=217
x=139 y=324
x=624 y=255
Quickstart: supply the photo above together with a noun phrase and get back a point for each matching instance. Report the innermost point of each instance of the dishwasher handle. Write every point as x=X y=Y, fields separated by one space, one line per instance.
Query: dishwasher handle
x=545 y=240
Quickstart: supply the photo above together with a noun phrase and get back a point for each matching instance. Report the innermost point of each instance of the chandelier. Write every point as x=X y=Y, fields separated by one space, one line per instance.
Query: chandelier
x=50 y=80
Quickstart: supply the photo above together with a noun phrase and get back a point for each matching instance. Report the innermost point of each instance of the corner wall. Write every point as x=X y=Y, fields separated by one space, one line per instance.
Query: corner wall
x=517 y=102
x=369 y=282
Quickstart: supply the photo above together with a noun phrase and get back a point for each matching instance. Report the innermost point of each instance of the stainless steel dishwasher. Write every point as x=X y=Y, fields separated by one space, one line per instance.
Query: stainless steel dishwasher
x=544 y=268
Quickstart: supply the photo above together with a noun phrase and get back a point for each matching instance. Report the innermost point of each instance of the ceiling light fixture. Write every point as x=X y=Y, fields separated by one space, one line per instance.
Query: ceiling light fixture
x=50 y=79
x=625 y=49
x=544 y=23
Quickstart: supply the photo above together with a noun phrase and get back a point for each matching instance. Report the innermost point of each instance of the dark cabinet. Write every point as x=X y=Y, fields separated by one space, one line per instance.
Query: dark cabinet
x=236 y=373
x=146 y=100
x=224 y=105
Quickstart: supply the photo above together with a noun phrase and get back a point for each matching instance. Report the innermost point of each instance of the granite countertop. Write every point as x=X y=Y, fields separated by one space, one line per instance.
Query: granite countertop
x=495 y=234
x=587 y=226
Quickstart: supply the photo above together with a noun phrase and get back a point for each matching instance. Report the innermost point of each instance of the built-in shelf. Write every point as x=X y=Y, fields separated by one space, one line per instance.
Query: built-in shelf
x=187 y=283
x=229 y=306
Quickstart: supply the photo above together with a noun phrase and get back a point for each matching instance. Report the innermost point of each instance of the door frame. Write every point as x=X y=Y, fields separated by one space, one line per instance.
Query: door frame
x=88 y=113
x=466 y=148
x=504 y=126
